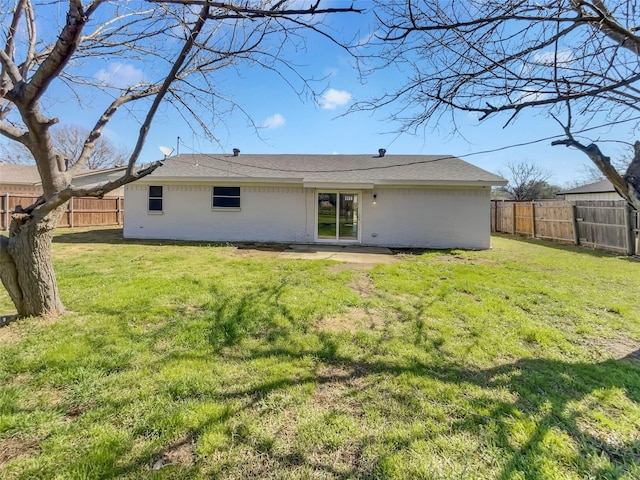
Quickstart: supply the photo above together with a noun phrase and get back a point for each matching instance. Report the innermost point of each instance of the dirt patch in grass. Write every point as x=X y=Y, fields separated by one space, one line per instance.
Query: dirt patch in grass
x=615 y=348
x=358 y=267
x=14 y=447
x=336 y=392
x=622 y=349
x=355 y=319
x=181 y=452
x=464 y=260
x=11 y=329
x=335 y=385
x=363 y=285
x=9 y=334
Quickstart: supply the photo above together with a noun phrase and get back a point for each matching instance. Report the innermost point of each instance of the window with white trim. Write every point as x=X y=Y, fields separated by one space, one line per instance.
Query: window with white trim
x=155 y=198
x=226 y=197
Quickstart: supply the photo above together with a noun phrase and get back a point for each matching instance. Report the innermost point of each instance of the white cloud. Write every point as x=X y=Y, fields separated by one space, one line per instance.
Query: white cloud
x=531 y=96
x=119 y=75
x=331 y=71
x=274 y=121
x=561 y=58
x=333 y=99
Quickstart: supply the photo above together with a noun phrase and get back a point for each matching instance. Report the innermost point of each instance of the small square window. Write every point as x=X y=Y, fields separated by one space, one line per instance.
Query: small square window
x=155 y=198
x=226 y=197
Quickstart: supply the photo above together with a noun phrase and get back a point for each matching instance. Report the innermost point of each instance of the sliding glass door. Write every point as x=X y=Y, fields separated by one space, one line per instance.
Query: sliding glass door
x=338 y=216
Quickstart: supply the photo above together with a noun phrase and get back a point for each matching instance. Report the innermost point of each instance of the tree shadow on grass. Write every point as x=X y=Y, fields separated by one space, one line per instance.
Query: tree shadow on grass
x=544 y=394
x=113 y=236
x=547 y=393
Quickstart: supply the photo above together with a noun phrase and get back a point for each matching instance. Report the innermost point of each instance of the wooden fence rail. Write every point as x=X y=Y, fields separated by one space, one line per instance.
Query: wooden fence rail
x=81 y=211
x=605 y=224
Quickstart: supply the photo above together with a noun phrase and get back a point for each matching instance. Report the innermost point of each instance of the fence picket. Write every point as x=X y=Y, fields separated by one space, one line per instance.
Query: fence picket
x=606 y=224
x=83 y=212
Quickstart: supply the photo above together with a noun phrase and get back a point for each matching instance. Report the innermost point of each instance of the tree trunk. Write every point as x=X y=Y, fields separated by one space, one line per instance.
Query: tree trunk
x=26 y=267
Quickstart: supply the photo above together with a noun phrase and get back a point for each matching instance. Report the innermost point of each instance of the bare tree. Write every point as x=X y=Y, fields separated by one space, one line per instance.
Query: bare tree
x=576 y=61
x=528 y=181
x=68 y=142
x=181 y=42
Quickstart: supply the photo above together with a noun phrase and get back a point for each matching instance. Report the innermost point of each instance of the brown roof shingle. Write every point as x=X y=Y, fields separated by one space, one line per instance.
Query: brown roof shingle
x=402 y=169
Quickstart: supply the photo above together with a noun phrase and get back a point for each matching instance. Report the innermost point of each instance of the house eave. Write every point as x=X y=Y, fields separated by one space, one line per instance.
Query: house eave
x=441 y=183
x=341 y=185
x=109 y=171
x=309 y=183
x=151 y=179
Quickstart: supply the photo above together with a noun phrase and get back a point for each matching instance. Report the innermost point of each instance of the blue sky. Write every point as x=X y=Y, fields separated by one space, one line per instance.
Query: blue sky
x=293 y=123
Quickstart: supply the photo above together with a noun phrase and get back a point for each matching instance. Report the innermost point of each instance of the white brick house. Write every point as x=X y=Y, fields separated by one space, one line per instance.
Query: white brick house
x=429 y=201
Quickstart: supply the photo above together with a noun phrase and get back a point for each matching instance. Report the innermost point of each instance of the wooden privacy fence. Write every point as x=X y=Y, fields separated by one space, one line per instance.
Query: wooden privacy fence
x=604 y=224
x=81 y=211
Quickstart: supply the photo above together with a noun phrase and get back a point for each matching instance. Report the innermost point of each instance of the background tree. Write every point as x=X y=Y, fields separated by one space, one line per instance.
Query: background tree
x=575 y=61
x=68 y=142
x=181 y=42
x=527 y=181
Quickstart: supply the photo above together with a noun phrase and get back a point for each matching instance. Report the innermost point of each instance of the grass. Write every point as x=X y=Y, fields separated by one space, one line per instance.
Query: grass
x=185 y=360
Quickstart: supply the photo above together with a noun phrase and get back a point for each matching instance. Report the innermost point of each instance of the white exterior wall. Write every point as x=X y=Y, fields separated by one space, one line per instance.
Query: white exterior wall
x=267 y=214
x=427 y=217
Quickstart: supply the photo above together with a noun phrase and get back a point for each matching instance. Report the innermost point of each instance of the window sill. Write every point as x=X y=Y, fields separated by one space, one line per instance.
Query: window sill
x=226 y=209
x=155 y=212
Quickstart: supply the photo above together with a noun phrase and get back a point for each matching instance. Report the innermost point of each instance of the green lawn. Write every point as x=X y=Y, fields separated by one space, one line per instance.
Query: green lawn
x=203 y=361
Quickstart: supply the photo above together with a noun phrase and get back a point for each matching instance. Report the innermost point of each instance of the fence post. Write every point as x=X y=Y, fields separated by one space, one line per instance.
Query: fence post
x=6 y=212
x=576 y=232
x=630 y=229
x=513 y=215
x=118 y=211
x=636 y=231
x=71 y=213
x=533 y=219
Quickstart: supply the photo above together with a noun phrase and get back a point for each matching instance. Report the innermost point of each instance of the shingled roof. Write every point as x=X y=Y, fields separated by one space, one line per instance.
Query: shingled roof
x=19 y=174
x=325 y=169
x=603 y=186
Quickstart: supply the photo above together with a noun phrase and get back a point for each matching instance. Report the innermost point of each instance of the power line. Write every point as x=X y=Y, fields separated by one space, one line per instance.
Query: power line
x=231 y=159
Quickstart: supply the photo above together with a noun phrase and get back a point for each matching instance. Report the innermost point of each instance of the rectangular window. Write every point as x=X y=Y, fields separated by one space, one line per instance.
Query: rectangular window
x=226 y=197
x=155 y=198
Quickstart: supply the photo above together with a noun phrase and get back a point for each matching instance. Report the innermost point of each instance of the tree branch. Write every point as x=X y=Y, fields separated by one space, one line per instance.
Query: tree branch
x=107 y=115
x=628 y=188
x=14 y=133
x=6 y=57
x=10 y=70
x=188 y=45
x=604 y=21
x=42 y=209
x=246 y=12
x=31 y=49
x=59 y=56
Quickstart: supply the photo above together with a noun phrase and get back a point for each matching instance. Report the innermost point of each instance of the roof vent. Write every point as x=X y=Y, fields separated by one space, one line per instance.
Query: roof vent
x=381 y=152
x=236 y=152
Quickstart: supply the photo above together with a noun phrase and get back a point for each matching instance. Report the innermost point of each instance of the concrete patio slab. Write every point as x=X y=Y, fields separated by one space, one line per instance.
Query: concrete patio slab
x=341 y=253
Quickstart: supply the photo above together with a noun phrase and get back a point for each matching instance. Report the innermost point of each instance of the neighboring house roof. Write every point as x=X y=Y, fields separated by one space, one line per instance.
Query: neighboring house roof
x=19 y=174
x=89 y=173
x=28 y=174
x=356 y=170
x=603 y=186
